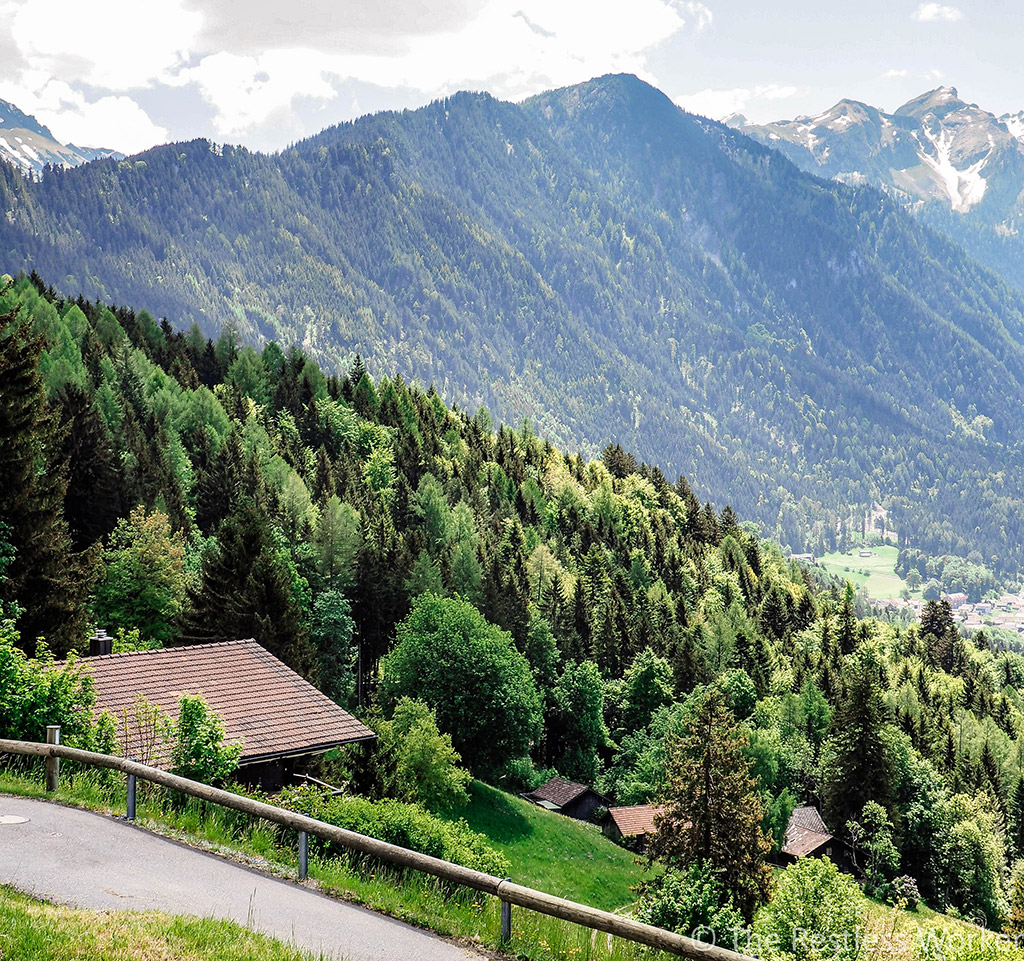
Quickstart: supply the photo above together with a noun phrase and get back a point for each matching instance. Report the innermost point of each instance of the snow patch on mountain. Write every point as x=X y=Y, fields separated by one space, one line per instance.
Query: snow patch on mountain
x=1014 y=124
x=964 y=188
x=30 y=146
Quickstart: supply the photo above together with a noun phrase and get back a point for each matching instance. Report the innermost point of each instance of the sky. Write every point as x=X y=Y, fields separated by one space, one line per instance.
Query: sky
x=129 y=74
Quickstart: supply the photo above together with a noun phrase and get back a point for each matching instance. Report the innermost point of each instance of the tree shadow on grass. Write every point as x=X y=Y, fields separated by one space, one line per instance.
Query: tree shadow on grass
x=495 y=814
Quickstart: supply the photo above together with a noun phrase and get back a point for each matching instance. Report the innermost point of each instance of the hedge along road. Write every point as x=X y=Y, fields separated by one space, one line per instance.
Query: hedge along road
x=89 y=860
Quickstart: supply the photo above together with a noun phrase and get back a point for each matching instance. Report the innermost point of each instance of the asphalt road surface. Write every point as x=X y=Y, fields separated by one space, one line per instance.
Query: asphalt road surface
x=90 y=860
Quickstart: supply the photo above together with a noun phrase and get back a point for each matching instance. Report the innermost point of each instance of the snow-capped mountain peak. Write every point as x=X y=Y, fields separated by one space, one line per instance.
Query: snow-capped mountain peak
x=30 y=146
x=934 y=148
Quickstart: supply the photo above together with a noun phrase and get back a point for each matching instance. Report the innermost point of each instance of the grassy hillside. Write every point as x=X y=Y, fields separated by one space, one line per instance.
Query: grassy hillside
x=50 y=932
x=876 y=575
x=554 y=853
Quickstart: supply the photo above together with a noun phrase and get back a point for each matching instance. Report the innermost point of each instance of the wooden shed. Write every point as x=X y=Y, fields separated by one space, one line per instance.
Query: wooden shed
x=807 y=837
x=281 y=719
x=631 y=824
x=567 y=797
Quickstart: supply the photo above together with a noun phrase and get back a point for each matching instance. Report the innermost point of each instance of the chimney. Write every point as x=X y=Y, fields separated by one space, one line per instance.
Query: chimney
x=100 y=643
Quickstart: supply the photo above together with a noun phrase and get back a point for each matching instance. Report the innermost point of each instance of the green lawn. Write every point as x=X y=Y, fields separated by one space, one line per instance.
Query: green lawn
x=876 y=575
x=551 y=852
x=48 y=932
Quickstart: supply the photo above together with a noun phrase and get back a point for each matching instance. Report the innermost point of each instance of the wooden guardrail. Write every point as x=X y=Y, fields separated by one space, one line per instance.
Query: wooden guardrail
x=502 y=888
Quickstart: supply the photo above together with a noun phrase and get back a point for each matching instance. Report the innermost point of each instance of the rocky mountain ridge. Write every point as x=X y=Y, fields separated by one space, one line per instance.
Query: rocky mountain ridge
x=30 y=146
x=959 y=166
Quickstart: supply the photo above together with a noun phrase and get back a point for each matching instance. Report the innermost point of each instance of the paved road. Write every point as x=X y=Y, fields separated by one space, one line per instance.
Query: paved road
x=90 y=860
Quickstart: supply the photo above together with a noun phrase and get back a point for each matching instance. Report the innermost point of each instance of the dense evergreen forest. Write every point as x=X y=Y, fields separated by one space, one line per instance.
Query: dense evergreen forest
x=607 y=265
x=556 y=613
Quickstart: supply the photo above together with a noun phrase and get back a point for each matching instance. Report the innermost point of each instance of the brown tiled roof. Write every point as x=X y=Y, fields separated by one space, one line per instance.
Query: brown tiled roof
x=805 y=833
x=559 y=792
x=634 y=820
x=808 y=819
x=262 y=702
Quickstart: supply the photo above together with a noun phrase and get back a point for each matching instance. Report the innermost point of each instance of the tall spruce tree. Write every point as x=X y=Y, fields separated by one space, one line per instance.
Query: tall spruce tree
x=46 y=576
x=246 y=593
x=857 y=761
x=712 y=812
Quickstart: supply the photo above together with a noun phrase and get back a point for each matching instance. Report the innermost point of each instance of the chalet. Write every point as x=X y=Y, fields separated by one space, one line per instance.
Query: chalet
x=566 y=797
x=807 y=837
x=280 y=718
x=631 y=825
x=955 y=601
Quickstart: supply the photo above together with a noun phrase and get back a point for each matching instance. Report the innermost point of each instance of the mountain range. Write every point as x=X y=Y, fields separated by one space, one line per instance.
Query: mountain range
x=605 y=264
x=29 y=145
x=959 y=167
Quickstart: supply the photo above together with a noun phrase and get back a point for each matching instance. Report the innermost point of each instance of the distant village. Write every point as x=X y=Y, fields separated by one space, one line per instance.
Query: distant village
x=1005 y=612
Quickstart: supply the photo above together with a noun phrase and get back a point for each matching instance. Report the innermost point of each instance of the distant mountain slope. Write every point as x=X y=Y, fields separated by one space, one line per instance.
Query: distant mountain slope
x=29 y=146
x=602 y=262
x=960 y=167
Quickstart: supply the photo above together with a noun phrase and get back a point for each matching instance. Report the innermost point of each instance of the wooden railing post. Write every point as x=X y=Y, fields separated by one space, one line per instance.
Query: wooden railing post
x=506 y=917
x=52 y=762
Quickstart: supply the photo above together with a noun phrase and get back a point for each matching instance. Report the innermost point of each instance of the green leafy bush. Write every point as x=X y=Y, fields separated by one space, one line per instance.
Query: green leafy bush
x=815 y=913
x=198 y=750
x=407 y=825
x=416 y=762
x=38 y=691
x=693 y=902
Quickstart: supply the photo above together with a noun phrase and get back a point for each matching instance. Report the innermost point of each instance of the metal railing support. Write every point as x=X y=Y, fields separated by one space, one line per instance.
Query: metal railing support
x=130 y=812
x=52 y=761
x=303 y=855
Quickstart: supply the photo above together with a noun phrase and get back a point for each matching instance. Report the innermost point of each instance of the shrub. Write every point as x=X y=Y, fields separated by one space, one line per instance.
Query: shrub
x=37 y=691
x=904 y=888
x=815 y=913
x=407 y=825
x=198 y=750
x=693 y=902
x=416 y=762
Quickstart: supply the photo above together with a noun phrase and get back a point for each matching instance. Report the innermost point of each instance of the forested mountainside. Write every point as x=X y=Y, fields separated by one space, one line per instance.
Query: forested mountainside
x=159 y=482
x=611 y=267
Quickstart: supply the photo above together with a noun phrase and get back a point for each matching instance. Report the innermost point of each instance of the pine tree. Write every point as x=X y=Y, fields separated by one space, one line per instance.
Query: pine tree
x=1015 y=820
x=859 y=767
x=93 y=501
x=847 y=622
x=246 y=593
x=712 y=812
x=46 y=577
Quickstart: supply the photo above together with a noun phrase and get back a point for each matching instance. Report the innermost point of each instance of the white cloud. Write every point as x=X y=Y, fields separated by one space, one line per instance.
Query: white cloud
x=932 y=12
x=513 y=48
x=258 y=65
x=719 y=104
x=895 y=74
x=113 y=121
x=698 y=15
x=247 y=91
x=112 y=44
